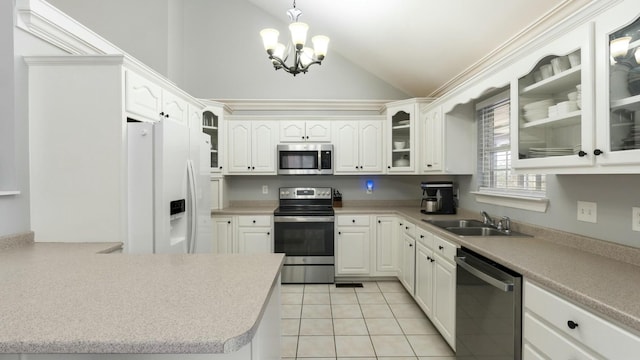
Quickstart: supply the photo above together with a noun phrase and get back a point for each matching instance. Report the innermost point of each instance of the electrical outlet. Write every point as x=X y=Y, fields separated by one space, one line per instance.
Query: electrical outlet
x=265 y=189
x=635 y=218
x=587 y=211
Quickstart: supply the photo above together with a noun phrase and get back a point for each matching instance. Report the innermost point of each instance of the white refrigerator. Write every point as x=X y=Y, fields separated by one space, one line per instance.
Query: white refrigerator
x=169 y=198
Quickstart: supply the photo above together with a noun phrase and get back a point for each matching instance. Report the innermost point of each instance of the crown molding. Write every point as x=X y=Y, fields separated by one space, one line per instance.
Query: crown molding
x=294 y=105
x=565 y=17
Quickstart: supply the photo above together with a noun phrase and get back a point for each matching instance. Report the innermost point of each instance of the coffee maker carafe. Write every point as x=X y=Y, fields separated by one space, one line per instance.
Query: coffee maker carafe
x=437 y=197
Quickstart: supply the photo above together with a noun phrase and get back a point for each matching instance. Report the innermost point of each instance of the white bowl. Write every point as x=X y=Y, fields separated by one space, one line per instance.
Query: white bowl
x=546 y=71
x=401 y=162
x=560 y=64
x=574 y=58
x=539 y=105
x=399 y=145
x=572 y=96
x=536 y=115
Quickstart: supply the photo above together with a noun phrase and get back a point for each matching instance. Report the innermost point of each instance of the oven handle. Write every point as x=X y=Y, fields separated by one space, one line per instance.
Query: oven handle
x=506 y=287
x=288 y=219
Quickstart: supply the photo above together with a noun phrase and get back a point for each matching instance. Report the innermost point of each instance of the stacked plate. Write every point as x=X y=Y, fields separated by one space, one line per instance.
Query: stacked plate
x=556 y=151
x=632 y=141
x=537 y=110
x=579 y=96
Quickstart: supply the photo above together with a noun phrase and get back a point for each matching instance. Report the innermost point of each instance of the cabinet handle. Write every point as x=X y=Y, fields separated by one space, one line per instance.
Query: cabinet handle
x=307 y=136
x=248 y=167
x=379 y=221
x=162 y=113
x=572 y=325
x=253 y=168
x=220 y=167
x=229 y=222
x=429 y=165
x=388 y=167
x=406 y=228
x=582 y=153
x=356 y=167
x=597 y=152
x=440 y=247
x=410 y=245
x=254 y=221
x=303 y=138
x=421 y=236
x=432 y=259
x=353 y=221
x=166 y=115
x=268 y=233
x=339 y=233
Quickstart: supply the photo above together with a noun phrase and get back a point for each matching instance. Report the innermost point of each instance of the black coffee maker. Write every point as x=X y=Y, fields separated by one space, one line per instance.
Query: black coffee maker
x=438 y=197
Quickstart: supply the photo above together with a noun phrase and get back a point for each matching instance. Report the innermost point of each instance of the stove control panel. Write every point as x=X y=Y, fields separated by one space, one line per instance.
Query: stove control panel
x=305 y=193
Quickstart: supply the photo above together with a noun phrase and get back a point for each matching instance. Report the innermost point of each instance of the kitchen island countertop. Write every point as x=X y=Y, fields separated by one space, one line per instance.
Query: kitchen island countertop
x=68 y=298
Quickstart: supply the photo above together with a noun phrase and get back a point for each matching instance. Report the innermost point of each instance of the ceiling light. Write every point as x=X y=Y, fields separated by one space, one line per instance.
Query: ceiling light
x=303 y=57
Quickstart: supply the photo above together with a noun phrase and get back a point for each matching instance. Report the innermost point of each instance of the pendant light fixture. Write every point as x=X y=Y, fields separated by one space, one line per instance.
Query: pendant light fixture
x=303 y=57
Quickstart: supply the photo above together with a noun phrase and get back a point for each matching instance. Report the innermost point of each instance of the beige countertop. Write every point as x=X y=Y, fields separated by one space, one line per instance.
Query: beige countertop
x=68 y=298
x=604 y=277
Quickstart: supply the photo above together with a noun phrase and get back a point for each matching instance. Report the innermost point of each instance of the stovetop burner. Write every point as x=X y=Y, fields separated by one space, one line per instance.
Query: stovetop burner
x=308 y=201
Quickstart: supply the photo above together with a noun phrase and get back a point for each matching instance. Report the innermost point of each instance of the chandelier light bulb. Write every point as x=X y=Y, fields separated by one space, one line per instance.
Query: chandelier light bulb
x=269 y=38
x=306 y=57
x=298 y=34
x=320 y=45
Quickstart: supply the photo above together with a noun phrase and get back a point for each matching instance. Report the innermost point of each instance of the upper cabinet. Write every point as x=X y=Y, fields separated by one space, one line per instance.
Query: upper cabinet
x=212 y=118
x=145 y=100
x=552 y=108
x=305 y=131
x=358 y=146
x=251 y=147
x=618 y=88
x=401 y=134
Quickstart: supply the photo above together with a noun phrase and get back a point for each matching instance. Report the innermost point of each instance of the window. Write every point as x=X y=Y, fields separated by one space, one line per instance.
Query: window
x=494 y=152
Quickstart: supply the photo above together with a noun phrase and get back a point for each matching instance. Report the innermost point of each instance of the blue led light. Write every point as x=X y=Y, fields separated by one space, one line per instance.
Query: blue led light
x=370 y=185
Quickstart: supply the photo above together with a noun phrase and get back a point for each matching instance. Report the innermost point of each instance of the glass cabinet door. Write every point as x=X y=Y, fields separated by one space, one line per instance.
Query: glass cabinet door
x=400 y=146
x=210 y=125
x=624 y=89
x=554 y=109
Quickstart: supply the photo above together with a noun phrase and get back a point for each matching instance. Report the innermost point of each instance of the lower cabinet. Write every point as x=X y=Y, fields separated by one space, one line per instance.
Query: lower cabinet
x=386 y=254
x=352 y=244
x=408 y=262
x=424 y=278
x=556 y=328
x=444 y=298
x=243 y=234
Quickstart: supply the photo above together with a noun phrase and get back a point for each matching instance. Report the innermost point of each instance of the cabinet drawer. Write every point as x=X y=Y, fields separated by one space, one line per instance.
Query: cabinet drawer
x=260 y=220
x=444 y=248
x=600 y=335
x=425 y=238
x=549 y=342
x=353 y=220
x=408 y=228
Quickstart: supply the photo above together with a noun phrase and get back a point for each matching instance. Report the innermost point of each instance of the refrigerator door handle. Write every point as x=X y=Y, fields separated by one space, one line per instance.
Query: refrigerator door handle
x=194 y=208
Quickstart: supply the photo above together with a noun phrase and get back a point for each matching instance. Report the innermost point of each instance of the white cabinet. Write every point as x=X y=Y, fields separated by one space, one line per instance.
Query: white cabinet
x=251 y=147
x=223 y=235
x=352 y=244
x=617 y=89
x=407 y=235
x=254 y=235
x=145 y=100
x=432 y=140
x=358 y=146
x=558 y=328
x=444 y=297
x=386 y=257
x=212 y=124
x=305 y=131
x=250 y=234
x=425 y=264
x=401 y=145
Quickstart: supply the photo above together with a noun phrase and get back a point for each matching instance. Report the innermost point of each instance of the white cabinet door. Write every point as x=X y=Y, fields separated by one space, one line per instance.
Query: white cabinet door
x=352 y=251
x=239 y=147
x=318 y=131
x=174 y=108
x=254 y=240
x=432 y=145
x=386 y=255
x=142 y=97
x=263 y=154
x=424 y=278
x=370 y=149
x=346 y=148
x=401 y=120
x=223 y=235
x=408 y=263
x=292 y=131
x=444 y=301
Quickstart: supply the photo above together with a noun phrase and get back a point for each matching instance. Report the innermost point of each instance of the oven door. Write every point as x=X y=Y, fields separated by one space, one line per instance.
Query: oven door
x=304 y=236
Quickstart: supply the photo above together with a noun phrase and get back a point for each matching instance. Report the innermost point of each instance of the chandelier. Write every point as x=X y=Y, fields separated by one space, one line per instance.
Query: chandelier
x=303 y=57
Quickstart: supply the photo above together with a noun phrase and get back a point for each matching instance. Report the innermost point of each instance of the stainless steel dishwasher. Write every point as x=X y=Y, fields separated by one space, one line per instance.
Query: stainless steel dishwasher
x=488 y=309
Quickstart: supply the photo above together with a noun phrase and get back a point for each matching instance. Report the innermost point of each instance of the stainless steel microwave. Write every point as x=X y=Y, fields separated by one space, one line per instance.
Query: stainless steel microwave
x=305 y=159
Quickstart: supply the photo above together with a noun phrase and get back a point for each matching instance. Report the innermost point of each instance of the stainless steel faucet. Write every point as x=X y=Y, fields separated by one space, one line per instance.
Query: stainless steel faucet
x=486 y=219
x=504 y=224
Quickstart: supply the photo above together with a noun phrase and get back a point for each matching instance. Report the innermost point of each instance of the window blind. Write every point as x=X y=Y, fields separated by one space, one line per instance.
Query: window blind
x=494 y=152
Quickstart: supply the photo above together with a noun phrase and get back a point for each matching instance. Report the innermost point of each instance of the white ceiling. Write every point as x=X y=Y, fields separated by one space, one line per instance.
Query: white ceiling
x=415 y=45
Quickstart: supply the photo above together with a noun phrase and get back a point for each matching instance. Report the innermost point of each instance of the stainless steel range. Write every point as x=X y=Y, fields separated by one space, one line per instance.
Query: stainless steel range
x=304 y=231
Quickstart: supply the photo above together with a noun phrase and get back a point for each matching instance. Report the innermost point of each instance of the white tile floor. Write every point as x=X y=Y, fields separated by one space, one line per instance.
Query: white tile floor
x=378 y=321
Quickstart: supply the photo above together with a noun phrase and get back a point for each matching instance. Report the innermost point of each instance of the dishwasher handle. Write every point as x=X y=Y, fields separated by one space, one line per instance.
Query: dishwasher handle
x=501 y=285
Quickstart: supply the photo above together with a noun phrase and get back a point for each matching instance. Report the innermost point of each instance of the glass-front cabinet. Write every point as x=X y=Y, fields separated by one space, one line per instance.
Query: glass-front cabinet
x=618 y=70
x=554 y=105
x=401 y=147
x=212 y=125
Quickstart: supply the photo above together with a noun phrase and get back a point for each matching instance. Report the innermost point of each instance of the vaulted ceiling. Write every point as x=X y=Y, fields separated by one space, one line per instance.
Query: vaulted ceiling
x=421 y=46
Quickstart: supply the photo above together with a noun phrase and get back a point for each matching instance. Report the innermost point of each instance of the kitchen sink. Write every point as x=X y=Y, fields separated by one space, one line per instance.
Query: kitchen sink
x=470 y=227
x=456 y=223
